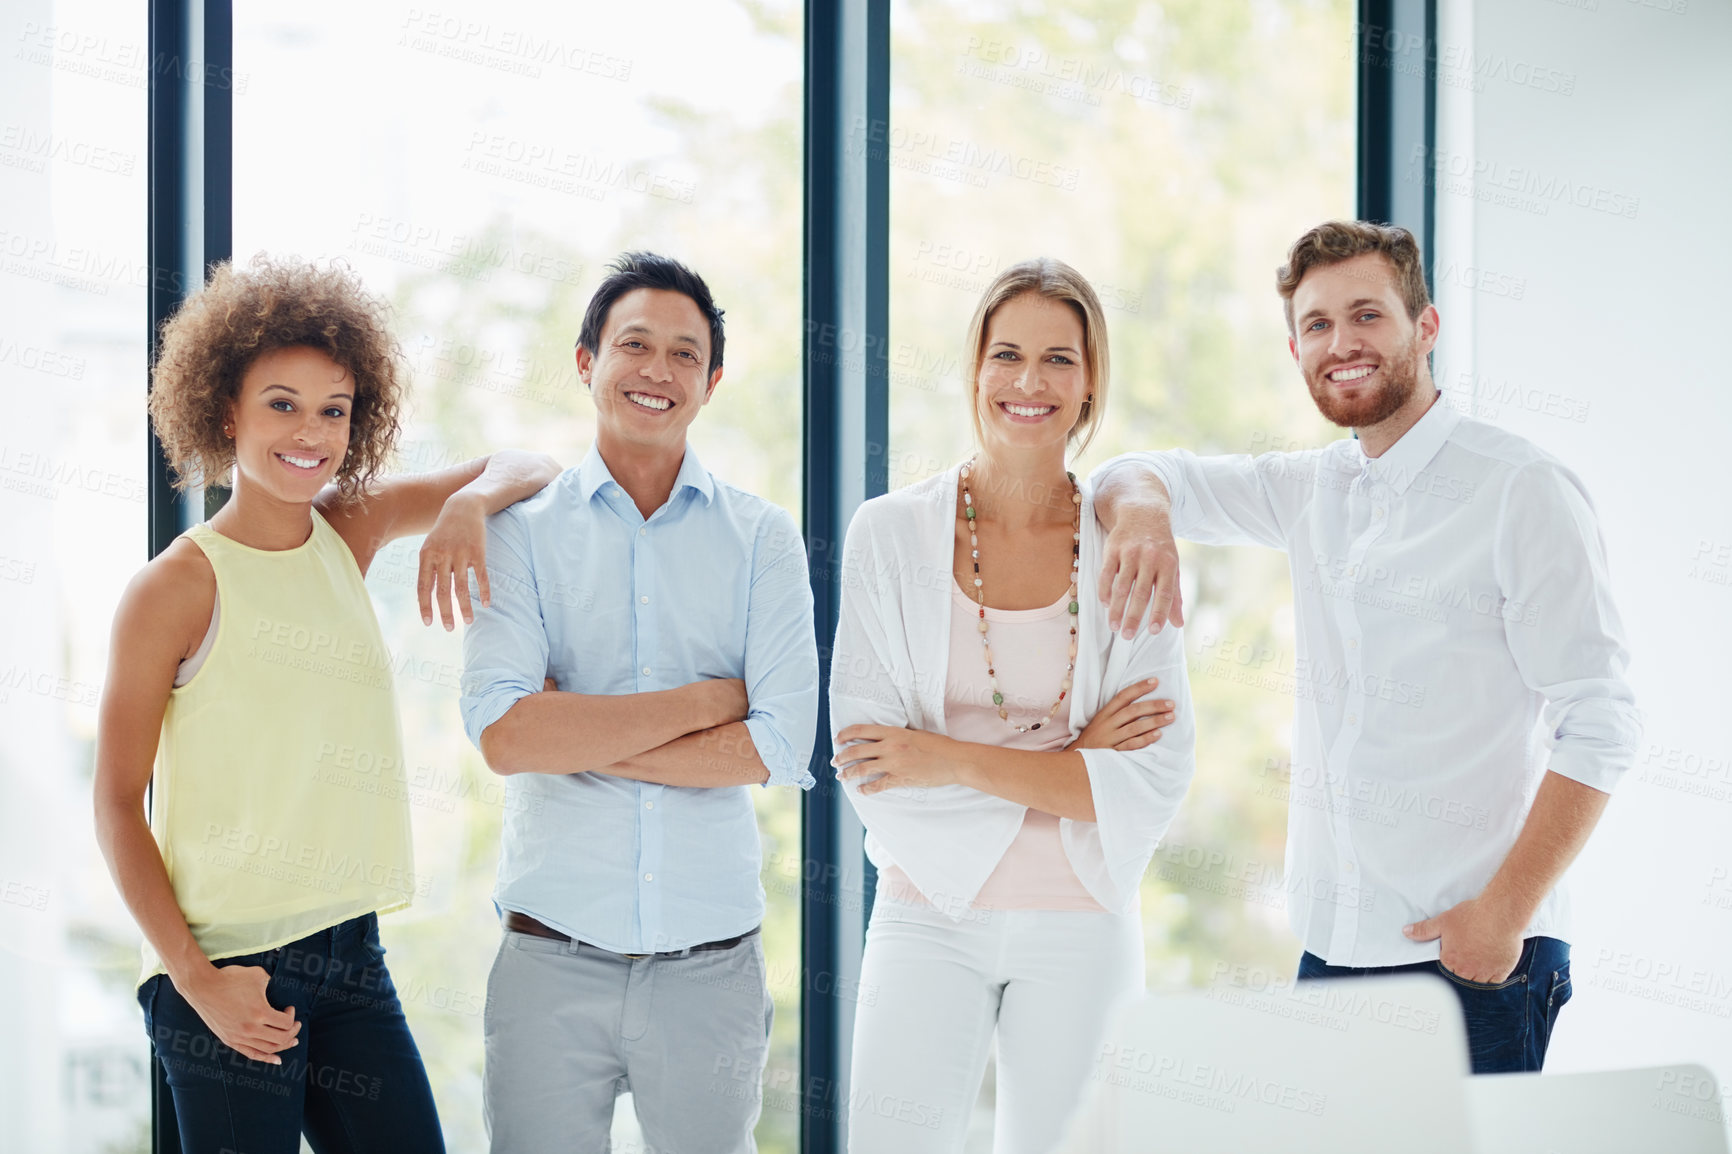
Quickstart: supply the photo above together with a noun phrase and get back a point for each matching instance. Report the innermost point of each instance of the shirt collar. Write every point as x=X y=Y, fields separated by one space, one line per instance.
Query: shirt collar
x=1408 y=457
x=693 y=475
x=594 y=473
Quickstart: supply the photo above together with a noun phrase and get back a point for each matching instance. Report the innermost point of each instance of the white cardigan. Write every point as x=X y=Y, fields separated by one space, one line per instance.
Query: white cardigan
x=889 y=667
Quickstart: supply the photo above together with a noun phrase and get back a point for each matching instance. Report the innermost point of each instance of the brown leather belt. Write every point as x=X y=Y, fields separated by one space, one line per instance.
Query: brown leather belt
x=524 y=924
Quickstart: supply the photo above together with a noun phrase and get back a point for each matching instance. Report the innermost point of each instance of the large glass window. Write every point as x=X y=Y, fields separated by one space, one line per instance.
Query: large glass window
x=74 y=1065
x=480 y=165
x=1170 y=152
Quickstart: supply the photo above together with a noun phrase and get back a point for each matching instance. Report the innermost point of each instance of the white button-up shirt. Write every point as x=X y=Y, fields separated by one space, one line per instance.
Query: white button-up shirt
x=1455 y=638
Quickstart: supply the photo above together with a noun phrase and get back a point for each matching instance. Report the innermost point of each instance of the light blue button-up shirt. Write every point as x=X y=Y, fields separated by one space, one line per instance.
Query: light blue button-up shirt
x=588 y=592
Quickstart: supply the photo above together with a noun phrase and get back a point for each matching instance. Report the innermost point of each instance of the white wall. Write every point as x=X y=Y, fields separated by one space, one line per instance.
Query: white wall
x=1591 y=139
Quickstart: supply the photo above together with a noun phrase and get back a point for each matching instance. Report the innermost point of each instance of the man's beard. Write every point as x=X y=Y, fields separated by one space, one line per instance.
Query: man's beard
x=1399 y=377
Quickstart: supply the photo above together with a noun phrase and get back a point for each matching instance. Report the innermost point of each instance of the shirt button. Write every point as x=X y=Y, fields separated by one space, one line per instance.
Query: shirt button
x=646 y=671
x=649 y=805
x=1351 y=867
x=1353 y=643
x=643 y=532
x=649 y=877
x=643 y=600
x=614 y=491
x=1352 y=719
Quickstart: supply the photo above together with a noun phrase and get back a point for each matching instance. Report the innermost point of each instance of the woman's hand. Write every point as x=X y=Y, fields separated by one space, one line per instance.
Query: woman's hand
x=1127 y=722
x=231 y=1001
x=456 y=544
x=906 y=758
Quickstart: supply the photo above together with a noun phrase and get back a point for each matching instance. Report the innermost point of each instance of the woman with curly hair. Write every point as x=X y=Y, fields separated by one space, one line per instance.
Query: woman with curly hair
x=249 y=684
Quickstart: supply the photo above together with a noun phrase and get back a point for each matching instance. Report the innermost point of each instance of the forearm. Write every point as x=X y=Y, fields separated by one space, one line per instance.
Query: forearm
x=1055 y=783
x=135 y=864
x=454 y=498
x=554 y=732
x=504 y=478
x=1564 y=813
x=708 y=759
x=1130 y=487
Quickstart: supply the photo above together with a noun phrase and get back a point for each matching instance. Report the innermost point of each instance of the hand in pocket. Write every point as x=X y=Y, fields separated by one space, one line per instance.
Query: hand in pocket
x=231 y=1001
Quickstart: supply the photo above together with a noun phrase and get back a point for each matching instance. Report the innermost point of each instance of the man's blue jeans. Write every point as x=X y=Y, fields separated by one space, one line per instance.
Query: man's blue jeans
x=1509 y=1023
x=353 y=1080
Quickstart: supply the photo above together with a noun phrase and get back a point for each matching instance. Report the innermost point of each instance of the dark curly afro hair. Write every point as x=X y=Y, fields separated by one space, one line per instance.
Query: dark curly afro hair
x=242 y=313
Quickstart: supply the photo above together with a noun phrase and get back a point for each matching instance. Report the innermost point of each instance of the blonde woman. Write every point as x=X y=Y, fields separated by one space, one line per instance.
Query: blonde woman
x=1002 y=747
x=250 y=688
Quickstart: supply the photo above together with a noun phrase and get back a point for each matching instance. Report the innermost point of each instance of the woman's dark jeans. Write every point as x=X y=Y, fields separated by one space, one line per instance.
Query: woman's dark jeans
x=1509 y=1023
x=353 y=1081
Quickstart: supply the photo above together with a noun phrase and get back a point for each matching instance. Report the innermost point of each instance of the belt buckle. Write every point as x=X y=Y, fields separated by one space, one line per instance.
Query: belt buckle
x=636 y=957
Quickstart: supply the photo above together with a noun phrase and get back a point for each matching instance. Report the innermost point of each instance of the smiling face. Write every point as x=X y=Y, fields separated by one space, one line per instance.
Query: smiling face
x=291 y=422
x=1033 y=376
x=1361 y=356
x=649 y=377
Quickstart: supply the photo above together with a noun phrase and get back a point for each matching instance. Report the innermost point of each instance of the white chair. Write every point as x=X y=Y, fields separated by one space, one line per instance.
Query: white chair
x=1660 y=1110
x=1363 y=1066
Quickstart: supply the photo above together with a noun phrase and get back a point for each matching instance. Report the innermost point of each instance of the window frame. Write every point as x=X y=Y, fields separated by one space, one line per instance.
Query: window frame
x=1396 y=54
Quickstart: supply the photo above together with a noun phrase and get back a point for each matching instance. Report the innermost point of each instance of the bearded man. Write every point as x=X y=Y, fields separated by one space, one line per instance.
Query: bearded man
x=1461 y=713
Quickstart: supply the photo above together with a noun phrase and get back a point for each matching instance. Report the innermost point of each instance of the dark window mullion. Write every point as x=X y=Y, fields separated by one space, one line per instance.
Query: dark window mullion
x=188 y=224
x=846 y=423
x=1395 y=44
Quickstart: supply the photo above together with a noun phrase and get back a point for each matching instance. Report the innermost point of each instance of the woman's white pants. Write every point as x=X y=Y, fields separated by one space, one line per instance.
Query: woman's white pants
x=932 y=994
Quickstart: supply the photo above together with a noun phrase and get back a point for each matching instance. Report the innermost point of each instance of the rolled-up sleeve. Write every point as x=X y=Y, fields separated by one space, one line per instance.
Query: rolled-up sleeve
x=781 y=668
x=1227 y=500
x=1138 y=793
x=1561 y=625
x=505 y=648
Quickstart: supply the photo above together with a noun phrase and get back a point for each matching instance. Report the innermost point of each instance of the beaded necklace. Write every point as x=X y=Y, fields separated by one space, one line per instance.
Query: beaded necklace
x=980 y=596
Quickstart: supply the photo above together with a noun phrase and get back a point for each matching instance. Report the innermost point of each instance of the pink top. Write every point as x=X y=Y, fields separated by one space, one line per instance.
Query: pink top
x=1029 y=648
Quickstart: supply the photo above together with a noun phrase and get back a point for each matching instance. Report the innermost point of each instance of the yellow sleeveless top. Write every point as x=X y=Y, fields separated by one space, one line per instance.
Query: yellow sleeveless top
x=276 y=799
